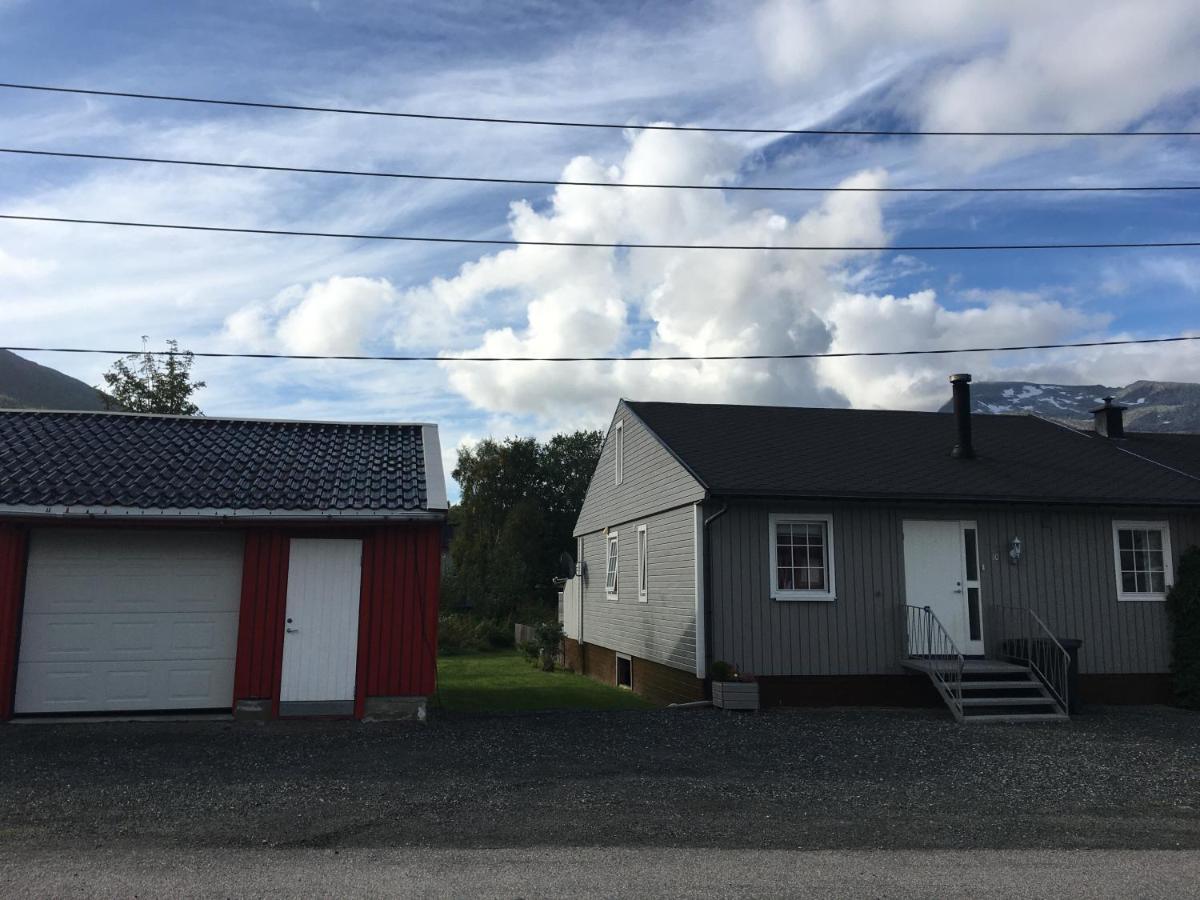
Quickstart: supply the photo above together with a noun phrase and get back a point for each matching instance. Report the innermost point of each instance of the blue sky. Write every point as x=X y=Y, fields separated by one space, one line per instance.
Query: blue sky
x=924 y=64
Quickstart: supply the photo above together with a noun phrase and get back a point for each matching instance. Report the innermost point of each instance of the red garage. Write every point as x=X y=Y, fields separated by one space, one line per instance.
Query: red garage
x=165 y=563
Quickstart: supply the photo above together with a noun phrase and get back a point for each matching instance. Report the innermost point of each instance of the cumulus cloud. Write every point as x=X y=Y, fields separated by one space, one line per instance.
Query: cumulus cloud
x=334 y=316
x=651 y=302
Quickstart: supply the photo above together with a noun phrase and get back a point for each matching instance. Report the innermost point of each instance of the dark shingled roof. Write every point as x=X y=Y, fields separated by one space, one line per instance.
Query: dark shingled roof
x=1179 y=451
x=796 y=451
x=167 y=462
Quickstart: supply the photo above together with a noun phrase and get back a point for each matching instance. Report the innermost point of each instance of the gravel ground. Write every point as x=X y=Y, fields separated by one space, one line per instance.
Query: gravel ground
x=854 y=779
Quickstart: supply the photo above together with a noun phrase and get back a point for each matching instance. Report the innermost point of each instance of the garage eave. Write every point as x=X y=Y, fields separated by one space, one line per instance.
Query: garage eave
x=208 y=514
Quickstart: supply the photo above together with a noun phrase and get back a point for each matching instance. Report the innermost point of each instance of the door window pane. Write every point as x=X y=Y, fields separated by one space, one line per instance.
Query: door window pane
x=970 y=542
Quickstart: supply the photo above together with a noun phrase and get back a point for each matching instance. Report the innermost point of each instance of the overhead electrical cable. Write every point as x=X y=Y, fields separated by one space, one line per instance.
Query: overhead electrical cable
x=551 y=182
x=848 y=354
x=513 y=242
x=555 y=123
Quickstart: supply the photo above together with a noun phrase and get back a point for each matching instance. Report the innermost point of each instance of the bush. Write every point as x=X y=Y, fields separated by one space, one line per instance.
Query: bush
x=458 y=633
x=531 y=650
x=1183 y=609
x=549 y=636
x=495 y=634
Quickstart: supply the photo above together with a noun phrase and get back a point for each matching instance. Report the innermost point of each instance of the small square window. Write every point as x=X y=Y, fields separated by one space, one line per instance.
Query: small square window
x=801 y=557
x=1142 y=554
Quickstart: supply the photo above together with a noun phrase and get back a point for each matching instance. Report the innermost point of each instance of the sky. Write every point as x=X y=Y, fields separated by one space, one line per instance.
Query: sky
x=1073 y=65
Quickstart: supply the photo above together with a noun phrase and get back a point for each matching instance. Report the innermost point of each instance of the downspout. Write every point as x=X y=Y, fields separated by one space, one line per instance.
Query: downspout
x=707 y=576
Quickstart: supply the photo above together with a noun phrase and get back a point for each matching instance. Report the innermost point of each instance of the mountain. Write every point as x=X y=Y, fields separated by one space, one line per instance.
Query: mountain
x=1153 y=405
x=26 y=385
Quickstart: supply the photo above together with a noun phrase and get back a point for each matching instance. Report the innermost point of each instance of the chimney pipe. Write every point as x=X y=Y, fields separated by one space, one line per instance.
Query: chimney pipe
x=964 y=449
x=1109 y=419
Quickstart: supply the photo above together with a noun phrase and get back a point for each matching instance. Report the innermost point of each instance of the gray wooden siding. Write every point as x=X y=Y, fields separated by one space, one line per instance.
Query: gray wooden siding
x=663 y=629
x=1066 y=575
x=653 y=480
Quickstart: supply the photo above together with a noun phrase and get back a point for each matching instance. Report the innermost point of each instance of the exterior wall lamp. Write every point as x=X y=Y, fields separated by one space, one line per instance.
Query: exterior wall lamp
x=1014 y=550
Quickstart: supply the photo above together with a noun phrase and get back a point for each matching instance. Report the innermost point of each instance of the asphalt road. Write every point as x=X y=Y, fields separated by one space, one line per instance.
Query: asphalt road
x=600 y=872
x=835 y=779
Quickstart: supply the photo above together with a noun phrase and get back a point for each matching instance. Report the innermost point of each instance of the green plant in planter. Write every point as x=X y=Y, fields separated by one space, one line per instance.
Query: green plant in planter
x=722 y=671
x=1183 y=609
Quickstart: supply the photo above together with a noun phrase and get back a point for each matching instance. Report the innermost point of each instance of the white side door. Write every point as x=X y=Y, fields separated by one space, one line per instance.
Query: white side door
x=941 y=571
x=320 y=642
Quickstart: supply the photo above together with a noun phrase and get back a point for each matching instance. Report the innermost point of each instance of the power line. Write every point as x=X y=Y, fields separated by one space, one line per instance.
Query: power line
x=494 y=120
x=940 y=351
x=550 y=182
x=510 y=242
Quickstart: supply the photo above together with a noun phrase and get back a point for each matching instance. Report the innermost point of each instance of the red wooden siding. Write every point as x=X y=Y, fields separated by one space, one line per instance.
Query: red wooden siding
x=397 y=654
x=260 y=625
x=13 y=544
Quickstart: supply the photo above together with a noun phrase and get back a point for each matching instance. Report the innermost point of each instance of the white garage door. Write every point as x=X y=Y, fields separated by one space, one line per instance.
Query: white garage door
x=120 y=620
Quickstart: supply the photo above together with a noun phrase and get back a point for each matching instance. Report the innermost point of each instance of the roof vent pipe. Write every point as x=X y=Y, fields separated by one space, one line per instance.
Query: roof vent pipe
x=1109 y=419
x=964 y=449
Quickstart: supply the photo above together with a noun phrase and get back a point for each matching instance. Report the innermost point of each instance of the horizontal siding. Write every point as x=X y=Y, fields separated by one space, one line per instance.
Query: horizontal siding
x=1066 y=574
x=652 y=480
x=663 y=629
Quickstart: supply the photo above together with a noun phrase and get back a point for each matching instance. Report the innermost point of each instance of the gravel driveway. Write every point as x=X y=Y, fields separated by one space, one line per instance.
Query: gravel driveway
x=1126 y=778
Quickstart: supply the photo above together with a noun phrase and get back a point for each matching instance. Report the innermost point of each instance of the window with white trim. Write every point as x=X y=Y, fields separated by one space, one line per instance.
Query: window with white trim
x=1142 y=553
x=610 y=566
x=619 y=452
x=643 y=563
x=801 y=557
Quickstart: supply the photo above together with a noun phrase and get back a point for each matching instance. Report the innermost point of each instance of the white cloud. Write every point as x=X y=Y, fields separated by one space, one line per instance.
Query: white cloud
x=996 y=64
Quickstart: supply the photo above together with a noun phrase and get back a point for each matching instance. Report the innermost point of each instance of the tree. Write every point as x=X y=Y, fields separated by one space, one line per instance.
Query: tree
x=142 y=382
x=519 y=503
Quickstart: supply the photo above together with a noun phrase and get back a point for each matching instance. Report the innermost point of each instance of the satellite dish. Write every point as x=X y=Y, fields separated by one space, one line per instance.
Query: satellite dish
x=566 y=565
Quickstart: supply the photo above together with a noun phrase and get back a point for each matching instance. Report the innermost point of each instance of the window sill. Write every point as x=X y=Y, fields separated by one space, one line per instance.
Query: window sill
x=642 y=598
x=1142 y=598
x=609 y=596
x=803 y=598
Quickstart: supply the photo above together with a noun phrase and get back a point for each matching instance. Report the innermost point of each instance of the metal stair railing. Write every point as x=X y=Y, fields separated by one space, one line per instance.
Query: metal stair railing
x=929 y=640
x=1019 y=635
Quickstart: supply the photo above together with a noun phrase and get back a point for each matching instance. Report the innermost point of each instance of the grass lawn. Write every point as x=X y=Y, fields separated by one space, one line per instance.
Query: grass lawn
x=504 y=682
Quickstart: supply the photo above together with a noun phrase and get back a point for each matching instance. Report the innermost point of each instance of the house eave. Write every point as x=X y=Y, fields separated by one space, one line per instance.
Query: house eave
x=878 y=497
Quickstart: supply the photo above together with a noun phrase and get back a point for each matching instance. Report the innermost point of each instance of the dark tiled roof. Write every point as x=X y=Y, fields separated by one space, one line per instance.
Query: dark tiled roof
x=1179 y=451
x=162 y=462
x=795 y=451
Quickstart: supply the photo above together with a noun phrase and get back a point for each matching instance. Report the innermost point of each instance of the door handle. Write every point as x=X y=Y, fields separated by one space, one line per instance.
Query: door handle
x=292 y=630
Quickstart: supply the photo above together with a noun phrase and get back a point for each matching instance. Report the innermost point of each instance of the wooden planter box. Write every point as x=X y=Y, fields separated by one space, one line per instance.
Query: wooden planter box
x=735 y=694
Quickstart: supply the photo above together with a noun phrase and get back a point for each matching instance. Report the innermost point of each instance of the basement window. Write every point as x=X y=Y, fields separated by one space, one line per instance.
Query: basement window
x=624 y=671
x=801 y=557
x=1142 y=552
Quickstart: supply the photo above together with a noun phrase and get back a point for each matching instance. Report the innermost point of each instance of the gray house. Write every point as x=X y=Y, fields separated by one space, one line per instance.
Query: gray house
x=882 y=558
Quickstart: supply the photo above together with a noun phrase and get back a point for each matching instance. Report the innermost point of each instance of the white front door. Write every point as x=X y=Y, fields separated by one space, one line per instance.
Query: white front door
x=941 y=571
x=320 y=641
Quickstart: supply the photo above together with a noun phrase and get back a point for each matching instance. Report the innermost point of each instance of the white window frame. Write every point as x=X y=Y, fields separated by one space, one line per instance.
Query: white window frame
x=612 y=564
x=643 y=573
x=1168 y=570
x=619 y=452
x=830 y=593
x=617 y=671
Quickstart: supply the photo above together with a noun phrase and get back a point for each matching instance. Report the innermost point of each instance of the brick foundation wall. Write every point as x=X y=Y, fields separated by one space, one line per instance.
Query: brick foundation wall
x=657 y=683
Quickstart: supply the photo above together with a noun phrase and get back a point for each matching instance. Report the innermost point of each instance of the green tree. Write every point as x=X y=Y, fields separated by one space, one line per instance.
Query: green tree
x=1183 y=609
x=520 y=499
x=150 y=383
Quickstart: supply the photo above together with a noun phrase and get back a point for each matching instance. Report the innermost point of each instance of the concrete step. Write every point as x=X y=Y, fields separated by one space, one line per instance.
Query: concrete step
x=1019 y=717
x=1007 y=701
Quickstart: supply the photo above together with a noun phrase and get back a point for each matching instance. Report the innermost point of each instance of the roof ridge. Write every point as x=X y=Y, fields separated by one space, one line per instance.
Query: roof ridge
x=207 y=418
